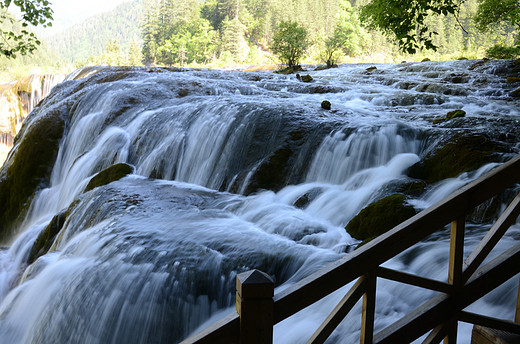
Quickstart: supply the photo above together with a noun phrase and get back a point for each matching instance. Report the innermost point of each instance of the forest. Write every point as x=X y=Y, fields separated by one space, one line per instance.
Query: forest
x=227 y=33
x=178 y=32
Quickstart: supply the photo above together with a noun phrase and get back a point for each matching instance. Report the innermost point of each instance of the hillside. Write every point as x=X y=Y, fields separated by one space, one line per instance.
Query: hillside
x=91 y=37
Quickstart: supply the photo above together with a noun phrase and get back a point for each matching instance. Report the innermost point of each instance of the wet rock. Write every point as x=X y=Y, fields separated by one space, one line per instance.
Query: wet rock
x=516 y=93
x=289 y=70
x=45 y=239
x=512 y=79
x=379 y=217
x=371 y=69
x=457 y=78
x=304 y=78
x=307 y=198
x=325 y=105
x=109 y=175
x=450 y=115
x=30 y=165
x=426 y=60
x=463 y=153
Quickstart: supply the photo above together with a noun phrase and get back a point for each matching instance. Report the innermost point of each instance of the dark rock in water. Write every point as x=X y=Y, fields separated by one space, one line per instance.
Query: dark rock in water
x=271 y=173
x=109 y=175
x=463 y=153
x=307 y=198
x=371 y=69
x=30 y=164
x=450 y=115
x=516 y=93
x=512 y=79
x=426 y=60
x=413 y=188
x=325 y=105
x=304 y=78
x=379 y=217
x=46 y=237
x=455 y=114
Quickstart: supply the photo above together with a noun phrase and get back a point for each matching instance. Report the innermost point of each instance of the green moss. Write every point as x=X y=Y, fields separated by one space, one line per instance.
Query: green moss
x=516 y=93
x=379 y=217
x=455 y=114
x=109 y=175
x=46 y=238
x=29 y=168
x=463 y=153
x=289 y=70
x=513 y=79
x=450 y=115
x=325 y=105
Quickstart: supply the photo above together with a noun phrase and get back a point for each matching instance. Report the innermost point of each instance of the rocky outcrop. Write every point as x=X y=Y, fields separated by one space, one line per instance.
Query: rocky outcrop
x=29 y=168
x=462 y=153
x=379 y=217
x=109 y=175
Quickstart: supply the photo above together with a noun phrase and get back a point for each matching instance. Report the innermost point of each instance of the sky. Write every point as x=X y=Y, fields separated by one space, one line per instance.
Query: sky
x=70 y=12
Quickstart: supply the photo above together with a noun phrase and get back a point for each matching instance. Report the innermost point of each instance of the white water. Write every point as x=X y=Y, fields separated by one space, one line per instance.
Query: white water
x=144 y=260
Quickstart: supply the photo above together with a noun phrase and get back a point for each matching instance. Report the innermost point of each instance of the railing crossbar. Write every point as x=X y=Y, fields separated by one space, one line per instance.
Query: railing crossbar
x=413 y=280
x=339 y=312
x=498 y=324
x=492 y=237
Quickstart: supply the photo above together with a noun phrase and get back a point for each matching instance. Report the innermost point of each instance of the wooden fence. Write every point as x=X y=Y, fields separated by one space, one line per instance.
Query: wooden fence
x=467 y=281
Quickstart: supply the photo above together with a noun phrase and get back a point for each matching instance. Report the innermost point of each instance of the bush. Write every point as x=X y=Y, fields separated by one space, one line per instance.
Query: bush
x=501 y=52
x=290 y=43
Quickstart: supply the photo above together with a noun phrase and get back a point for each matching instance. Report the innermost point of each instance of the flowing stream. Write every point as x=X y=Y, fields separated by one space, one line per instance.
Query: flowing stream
x=235 y=171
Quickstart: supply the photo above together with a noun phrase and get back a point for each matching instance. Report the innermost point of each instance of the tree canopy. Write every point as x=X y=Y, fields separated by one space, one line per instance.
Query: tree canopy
x=406 y=20
x=33 y=12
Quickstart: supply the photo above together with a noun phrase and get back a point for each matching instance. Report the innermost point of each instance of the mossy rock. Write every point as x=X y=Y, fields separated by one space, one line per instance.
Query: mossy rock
x=304 y=78
x=45 y=239
x=516 y=93
x=464 y=153
x=450 y=115
x=325 y=105
x=29 y=167
x=512 y=79
x=289 y=70
x=455 y=114
x=109 y=175
x=379 y=217
x=426 y=60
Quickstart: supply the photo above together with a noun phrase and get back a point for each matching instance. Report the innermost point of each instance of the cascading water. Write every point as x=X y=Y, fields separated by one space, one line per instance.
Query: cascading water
x=232 y=171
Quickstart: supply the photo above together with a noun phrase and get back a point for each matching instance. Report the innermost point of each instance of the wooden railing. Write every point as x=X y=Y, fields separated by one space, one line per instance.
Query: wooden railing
x=467 y=280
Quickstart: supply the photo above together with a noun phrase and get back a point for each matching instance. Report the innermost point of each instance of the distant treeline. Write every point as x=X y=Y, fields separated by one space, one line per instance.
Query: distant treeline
x=178 y=32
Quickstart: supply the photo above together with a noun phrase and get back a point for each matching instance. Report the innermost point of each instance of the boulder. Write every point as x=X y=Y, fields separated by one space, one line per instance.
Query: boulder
x=109 y=175
x=463 y=153
x=304 y=78
x=29 y=166
x=325 y=105
x=379 y=217
x=450 y=115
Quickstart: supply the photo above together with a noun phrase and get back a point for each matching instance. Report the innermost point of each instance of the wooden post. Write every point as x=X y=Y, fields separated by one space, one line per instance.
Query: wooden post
x=255 y=291
x=369 y=308
x=455 y=269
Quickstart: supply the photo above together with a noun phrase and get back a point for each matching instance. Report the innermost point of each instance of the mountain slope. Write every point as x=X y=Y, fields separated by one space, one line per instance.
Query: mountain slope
x=91 y=37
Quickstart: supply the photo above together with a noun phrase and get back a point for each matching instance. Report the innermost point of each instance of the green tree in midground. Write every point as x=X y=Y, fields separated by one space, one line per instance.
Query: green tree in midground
x=290 y=43
x=405 y=20
x=347 y=38
x=492 y=13
x=33 y=12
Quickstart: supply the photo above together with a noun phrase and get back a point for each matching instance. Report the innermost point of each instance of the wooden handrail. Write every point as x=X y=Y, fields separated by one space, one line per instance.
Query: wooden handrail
x=370 y=256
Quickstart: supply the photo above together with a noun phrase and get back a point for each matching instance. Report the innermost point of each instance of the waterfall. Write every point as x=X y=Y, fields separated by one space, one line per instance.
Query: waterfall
x=17 y=101
x=232 y=171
